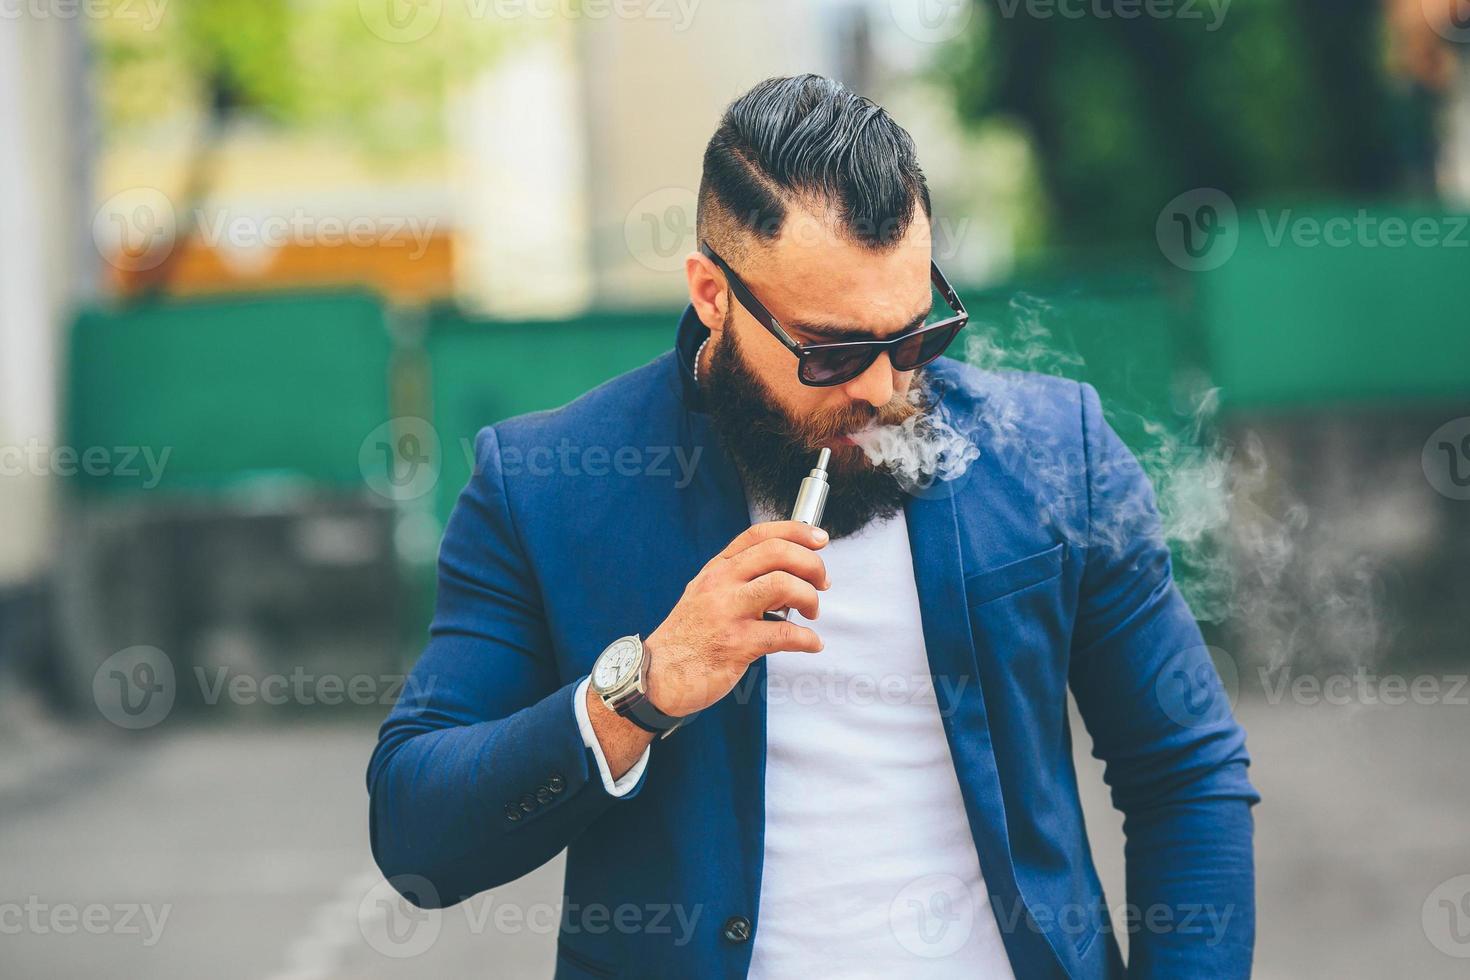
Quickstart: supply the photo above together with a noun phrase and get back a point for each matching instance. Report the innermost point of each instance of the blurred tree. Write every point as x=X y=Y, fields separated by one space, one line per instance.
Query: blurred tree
x=323 y=66
x=319 y=65
x=1269 y=97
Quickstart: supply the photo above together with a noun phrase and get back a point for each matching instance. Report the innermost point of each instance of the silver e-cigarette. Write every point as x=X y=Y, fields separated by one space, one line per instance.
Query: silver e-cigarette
x=810 y=499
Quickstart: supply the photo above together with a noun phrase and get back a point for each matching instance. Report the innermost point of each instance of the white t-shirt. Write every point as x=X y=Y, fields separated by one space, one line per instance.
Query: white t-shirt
x=870 y=869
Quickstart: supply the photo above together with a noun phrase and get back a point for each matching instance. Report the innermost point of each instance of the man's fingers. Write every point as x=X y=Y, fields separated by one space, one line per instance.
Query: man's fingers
x=803 y=534
x=777 y=637
x=777 y=590
x=779 y=554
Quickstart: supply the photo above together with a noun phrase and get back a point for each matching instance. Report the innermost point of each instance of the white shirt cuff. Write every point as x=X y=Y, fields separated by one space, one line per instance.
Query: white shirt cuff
x=614 y=787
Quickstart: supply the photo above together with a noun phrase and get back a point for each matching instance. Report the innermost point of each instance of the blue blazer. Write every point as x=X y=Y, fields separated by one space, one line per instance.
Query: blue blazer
x=1041 y=570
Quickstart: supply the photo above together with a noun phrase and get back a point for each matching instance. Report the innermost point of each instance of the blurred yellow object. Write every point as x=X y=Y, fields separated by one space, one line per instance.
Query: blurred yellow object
x=400 y=269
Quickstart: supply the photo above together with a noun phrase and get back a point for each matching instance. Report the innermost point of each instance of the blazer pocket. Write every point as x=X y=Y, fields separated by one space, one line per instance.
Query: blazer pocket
x=1023 y=573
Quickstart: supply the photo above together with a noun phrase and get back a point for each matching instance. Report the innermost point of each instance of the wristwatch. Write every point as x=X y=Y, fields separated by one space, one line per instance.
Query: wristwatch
x=620 y=678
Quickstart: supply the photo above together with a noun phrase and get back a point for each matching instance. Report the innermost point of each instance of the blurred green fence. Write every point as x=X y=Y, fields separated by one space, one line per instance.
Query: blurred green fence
x=238 y=392
x=1334 y=305
x=1127 y=329
x=483 y=371
x=218 y=510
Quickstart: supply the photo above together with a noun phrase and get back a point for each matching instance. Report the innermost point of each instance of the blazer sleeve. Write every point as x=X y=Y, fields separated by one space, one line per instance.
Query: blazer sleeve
x=1161 y=721
x=480 y=773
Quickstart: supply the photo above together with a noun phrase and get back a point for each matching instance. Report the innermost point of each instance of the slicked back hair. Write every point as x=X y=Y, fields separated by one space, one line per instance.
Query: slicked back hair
x=808 y=139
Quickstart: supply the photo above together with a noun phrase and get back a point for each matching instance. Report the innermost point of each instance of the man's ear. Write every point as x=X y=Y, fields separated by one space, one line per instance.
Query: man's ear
x=707 y=291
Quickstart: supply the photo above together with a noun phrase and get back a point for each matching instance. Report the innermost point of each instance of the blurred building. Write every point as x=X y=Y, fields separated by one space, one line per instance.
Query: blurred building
x=46 y=267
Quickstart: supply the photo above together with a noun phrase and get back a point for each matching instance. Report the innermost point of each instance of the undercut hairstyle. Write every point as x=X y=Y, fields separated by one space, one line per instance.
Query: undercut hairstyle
x=809 y=141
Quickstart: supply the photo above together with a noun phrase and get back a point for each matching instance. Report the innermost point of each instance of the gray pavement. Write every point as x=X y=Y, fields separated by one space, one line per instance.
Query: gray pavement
x=239 y=851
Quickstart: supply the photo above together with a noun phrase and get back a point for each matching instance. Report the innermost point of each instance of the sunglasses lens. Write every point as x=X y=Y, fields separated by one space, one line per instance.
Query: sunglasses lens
x=922 y=348
x=834 y=366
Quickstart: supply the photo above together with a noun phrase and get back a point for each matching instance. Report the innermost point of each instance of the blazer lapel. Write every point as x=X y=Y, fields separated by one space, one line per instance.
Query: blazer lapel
x=731 y=733
x=939 y=574
x=716 y=513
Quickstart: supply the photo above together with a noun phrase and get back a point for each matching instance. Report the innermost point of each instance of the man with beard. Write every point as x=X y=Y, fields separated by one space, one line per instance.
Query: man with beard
x=886 y=789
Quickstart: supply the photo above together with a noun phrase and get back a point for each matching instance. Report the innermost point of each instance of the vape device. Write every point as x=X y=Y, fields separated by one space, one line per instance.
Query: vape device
x=810 y=499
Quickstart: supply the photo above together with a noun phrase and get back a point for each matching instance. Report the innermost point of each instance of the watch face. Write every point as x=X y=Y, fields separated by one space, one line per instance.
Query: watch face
x=617 y=663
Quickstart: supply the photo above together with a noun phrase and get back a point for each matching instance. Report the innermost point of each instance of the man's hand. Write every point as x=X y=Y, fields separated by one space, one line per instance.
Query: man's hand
x=715 y=631
x=699 y=653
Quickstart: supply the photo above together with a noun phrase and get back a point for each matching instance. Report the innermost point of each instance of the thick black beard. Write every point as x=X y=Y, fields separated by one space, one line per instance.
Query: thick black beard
x=773 y=457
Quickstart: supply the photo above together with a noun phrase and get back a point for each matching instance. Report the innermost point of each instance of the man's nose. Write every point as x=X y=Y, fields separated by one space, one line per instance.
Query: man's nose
x=875 y=385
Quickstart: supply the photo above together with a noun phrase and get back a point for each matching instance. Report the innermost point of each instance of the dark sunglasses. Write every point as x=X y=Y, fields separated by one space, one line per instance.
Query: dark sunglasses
x=825 y=365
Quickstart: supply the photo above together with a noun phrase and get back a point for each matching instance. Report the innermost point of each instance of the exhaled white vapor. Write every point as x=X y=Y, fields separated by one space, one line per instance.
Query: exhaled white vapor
x=918 y=451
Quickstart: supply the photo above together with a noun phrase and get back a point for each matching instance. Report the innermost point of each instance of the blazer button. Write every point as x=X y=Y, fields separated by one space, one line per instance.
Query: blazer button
x=512 y=813
x=543 y=795
x=737 y=928
x=528 y=803
x=556 y=784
